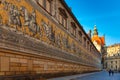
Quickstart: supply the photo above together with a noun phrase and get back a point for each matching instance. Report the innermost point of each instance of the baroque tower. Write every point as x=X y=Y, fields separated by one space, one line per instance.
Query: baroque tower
x=99 y=42
x=95 y=32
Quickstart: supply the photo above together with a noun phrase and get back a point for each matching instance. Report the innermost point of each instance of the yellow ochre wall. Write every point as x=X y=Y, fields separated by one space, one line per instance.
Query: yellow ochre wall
x=17 y=62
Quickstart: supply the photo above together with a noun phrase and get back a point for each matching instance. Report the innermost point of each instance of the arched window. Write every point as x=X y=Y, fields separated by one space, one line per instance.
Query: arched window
x=84 y=41
x=41 y=2
x=49 y=6
x=73 y=25
x=63 y=17
x=80 y=36
x=46 y=4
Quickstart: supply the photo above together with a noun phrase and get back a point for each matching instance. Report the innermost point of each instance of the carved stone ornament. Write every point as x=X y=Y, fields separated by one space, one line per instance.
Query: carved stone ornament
x=63 y=12
x=33 y=26
x=73 y=46
x=18 y=0
x=51 y=34
x=49 y=31
x=30 y=20
x=58 y=40
x=65 y=41
x=21 y=43
x=14 y=16
x=6 y=4
x=46 y=28
x=0 y=20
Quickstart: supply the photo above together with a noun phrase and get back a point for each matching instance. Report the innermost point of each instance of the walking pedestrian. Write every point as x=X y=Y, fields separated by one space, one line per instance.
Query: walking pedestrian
x=110 y=71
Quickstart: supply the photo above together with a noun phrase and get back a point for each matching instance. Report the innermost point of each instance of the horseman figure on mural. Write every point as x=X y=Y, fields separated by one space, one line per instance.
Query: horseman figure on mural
x=30 y=20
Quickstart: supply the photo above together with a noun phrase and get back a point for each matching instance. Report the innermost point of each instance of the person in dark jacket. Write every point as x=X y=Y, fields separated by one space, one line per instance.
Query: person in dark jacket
x=110 y=71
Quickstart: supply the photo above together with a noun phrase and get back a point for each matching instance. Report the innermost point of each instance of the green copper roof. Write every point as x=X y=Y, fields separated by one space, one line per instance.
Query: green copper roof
x=95 y=32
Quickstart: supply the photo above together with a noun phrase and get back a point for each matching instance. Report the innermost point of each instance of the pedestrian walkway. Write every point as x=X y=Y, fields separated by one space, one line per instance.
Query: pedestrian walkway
x=103 y=75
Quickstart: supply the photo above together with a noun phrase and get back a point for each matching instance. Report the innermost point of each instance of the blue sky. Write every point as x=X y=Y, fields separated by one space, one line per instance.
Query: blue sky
x=105 y=14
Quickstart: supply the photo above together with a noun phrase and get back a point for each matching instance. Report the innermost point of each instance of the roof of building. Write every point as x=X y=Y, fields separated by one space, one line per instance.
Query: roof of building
x=114 y=45
x=102 y=40
x=99 y=40
x=71 y=13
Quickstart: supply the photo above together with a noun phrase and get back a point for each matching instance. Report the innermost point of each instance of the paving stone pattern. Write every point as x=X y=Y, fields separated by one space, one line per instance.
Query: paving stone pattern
x=103 y=75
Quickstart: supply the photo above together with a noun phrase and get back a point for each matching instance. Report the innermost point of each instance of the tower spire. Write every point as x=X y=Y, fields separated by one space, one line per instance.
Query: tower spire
x=95 y=32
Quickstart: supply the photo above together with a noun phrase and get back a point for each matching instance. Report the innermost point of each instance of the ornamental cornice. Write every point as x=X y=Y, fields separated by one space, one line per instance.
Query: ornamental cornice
x=17 y=41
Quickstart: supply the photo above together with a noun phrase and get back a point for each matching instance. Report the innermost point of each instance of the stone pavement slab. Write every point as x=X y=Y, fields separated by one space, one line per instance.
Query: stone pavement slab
x=103 y=75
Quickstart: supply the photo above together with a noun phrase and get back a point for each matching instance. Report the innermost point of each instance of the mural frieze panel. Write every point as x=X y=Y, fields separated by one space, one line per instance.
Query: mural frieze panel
x=21 y=17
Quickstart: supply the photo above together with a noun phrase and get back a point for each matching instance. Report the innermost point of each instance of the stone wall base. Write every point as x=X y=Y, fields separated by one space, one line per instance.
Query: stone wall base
x=17 y=63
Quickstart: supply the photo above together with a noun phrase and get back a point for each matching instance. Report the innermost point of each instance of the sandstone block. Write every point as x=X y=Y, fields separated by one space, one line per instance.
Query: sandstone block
x=4 y=64
x=2 y=73
x=2 y=54
x=30 y=65
x=23 y=60
x=14 y=60
x=24 y=65
x=13 y=64
x=23 y=68
x=10 y=55
x=14 y=68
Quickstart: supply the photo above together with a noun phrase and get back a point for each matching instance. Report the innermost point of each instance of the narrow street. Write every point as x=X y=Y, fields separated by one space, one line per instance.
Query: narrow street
x=103 y=75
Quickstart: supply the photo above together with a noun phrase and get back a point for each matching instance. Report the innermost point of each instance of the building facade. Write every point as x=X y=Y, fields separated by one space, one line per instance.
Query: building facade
x=113 y=57
x=43 y=37
x=99 y=43
x=113 y=50
x=113 y=63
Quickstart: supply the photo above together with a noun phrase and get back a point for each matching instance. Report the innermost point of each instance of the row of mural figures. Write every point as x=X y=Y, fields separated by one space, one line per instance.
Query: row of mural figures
x=14 y=19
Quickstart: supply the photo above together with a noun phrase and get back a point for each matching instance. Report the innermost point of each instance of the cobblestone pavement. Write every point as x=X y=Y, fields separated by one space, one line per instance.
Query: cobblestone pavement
x=103 y=75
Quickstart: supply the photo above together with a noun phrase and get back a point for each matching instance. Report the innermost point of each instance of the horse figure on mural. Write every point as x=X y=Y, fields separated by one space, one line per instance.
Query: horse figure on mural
x=30 y=20
x=14 y=16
